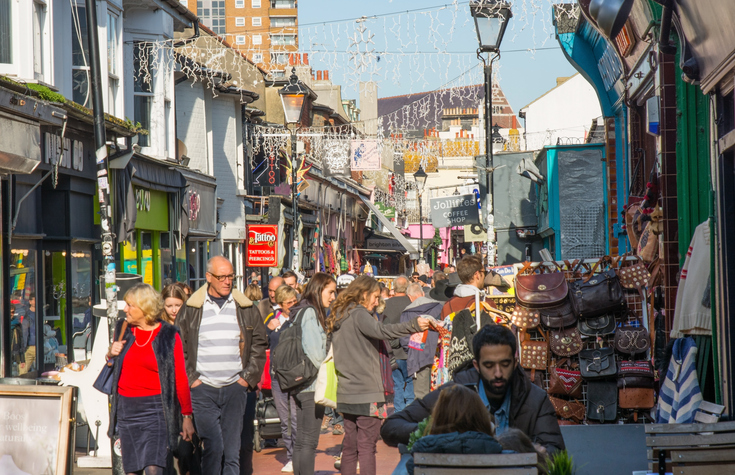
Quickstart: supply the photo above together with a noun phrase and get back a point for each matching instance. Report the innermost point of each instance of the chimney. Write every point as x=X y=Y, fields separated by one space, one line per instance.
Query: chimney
x=290 y=59
x=326 y=75
x=318 y=75
x=306 y=59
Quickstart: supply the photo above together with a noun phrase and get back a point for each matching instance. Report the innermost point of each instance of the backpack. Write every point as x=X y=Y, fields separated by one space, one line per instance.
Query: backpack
x=293 y=369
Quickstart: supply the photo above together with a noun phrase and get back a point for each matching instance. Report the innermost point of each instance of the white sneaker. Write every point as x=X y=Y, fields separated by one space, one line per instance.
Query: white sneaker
x=288 y=468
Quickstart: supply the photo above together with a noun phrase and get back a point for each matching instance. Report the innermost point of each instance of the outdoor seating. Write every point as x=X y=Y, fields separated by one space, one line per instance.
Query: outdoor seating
x=485 y=464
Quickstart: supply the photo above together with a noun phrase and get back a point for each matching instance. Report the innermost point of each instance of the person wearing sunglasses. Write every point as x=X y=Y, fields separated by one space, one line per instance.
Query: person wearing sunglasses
x=224 y=347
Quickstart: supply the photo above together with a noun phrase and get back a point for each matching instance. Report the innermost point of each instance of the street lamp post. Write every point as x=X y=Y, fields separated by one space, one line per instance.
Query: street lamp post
x=491 y=18
x=420 y=176
x=292 y=98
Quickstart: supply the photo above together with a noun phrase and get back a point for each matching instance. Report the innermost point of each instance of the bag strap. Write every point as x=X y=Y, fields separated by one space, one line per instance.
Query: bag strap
x=119 y=338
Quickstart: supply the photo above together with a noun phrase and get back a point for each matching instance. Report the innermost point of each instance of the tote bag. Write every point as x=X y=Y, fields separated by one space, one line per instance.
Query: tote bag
x=325 y=392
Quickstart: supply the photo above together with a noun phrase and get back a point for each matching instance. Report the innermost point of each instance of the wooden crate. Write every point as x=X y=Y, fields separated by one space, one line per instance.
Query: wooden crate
x=490 y=464
x=684 y=449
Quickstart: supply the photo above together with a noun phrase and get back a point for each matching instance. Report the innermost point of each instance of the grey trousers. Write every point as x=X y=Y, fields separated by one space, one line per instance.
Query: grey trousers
x=422 y=384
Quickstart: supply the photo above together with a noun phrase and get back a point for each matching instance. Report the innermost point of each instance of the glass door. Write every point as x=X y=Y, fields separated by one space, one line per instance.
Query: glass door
x=23 y=334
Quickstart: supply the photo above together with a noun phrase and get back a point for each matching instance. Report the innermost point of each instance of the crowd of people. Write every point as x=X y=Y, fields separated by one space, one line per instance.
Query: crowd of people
x=188 y=367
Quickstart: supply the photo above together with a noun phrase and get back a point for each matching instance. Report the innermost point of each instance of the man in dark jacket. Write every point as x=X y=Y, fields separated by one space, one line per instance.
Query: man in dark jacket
x=402 y=383
x=420 y=353
x=503 y=387
x=224 y=343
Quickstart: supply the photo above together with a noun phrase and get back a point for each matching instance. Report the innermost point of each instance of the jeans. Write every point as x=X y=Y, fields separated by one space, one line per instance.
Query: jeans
x=309 y=424
x=284 y=404
x=360 y=443
x=218 y=416
x=402 y=387
x=336 y=417
x=247 y=434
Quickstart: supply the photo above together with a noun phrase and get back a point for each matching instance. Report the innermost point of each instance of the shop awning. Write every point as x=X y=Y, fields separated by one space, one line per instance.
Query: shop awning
x=412 y=252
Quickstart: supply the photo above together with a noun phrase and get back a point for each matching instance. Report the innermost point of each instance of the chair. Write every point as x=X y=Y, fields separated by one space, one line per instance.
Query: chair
x=482 y=464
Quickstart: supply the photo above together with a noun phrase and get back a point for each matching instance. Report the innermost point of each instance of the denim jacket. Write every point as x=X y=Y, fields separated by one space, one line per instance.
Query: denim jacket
x=314 y=341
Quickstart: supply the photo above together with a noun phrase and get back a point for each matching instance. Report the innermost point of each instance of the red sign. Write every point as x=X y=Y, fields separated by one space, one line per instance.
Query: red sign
x=262 y=246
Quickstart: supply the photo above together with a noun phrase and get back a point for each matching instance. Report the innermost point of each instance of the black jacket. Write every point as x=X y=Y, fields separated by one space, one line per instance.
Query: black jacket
x=253 y=341
x=163 y=348
x=530 y=411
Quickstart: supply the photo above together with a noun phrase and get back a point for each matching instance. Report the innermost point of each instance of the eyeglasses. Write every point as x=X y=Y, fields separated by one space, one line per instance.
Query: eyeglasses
x=223 y=278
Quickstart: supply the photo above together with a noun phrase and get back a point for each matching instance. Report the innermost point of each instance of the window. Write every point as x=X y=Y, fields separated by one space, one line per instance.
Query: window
x=143 y=90
x=239 y=3
x=168 y=273
x=279 y=58
x=240 y=21
x=184 y=3
x=278 y=74
x=283 y=40
x=233 y=252
x=283 y=21
x=113 y=79
x=6 y=32
x=212 y=13
x=240 y=39
x=23 y=304
x=80 y=57
x=169 y=133
x=257 y=57
x=283 y=3
x=497 y=109
x=257 y=21
x=256 y=4
x=257 y=39
x=39 y=33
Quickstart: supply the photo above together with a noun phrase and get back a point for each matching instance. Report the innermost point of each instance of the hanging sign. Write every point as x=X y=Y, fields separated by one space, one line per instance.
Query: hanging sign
x=262 y=245
x=454 y=211
x=365 y=155
x=336 y=158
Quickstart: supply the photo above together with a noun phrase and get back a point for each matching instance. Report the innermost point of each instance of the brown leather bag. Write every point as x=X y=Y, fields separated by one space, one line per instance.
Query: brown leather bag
x=632 y=340
x=534 y=354
x=636 y=398
x=635 y=276
x=565 y=382
x=540 y=290
x=573 y=410
x=565 y=341
x=525 y=318
x=558 y=316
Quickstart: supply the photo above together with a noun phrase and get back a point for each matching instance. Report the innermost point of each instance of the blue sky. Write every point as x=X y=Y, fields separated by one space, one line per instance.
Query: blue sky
x=429 y=46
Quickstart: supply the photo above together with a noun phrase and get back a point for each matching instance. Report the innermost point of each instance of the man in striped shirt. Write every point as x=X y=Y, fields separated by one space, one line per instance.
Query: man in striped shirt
x=224 y=346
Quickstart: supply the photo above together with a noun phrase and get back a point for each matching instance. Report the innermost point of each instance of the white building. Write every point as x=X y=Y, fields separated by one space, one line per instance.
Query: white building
x=563 y=114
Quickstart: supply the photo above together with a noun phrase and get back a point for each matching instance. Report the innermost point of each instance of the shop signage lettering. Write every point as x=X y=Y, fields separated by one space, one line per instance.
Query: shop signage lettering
x=454 y=211
x=142 y=199
x=73 y=156
x=262 y=245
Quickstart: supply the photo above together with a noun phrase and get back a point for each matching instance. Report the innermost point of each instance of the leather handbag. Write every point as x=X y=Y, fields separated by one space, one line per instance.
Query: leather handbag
x=602 y=401
x=635 y=276
x=540 y=290
x=597 y=326
x=525 y=318
x=534 y=354
x=635 y=374
x=536 y=377
x=559 y=316
x=636 y=398
x=103 y=383
x=597 y=295
x=565 y=341
x=598 y=363
x=565 y=382
x=632 y=340
x=573 y=410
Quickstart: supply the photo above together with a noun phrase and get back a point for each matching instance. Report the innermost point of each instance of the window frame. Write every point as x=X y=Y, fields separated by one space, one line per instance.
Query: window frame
x=257 y=21
x=143 y=140
x=240 y=39
x=239 y=3
x=74 y=67
x=257 y=39
x=257 y=57
x=240 y=21
x=113 y=76
x=256 y=4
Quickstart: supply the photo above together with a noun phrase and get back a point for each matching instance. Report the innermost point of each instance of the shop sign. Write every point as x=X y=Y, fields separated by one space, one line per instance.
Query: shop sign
x=142 y=199
x=454 y=211
x=73 y=156
x=387 y=211
x=262 y=245
x=385 y=245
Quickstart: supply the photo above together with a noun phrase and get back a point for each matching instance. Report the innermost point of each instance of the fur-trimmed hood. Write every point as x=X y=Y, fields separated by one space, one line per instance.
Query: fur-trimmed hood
x=197 y=298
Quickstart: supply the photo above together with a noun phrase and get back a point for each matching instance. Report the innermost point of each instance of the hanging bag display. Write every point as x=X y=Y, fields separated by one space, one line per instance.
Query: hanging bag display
x=565 y=382
x=565 y=341
x=597 y=326
x=598 y=363
x=525 y=318
x=636 y=398
x=573 y=410
x=540 y=290
x=559 y=316
x=635 y=374
x=598 y=294
x=534 y=354
x=632 y=339
x=633 y=275
x=602 y=401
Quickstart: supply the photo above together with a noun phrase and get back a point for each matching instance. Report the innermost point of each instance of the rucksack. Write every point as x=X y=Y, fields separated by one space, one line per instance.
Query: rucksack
x=293 y=369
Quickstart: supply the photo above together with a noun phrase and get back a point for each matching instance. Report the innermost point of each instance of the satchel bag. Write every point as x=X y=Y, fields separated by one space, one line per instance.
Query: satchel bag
x=534 y=354
x=565 y=341
x=103 y=383
x=636 y=398
x=632 y=340
x=325 y=392
x=565 y=382
x=573 y=410
x=600 y=295
x=635 y=276
x=597 y=326
x=635 y=374
x=598 y=363
x=602 y=401
x=559 y=316
x=540 y=290
x=525 y=318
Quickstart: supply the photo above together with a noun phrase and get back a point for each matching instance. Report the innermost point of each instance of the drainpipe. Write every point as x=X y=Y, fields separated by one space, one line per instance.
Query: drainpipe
x=663 y=41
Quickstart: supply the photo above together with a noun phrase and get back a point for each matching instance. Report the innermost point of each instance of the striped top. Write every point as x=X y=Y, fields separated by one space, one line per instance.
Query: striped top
x=218 y=358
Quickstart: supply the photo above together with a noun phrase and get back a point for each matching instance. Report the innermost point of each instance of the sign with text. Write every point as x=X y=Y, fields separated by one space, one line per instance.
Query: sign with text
x=262 y=245
x=365 y=155
x=454 y=211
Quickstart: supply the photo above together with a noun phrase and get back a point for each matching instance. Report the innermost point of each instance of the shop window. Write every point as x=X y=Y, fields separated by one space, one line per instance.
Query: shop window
x=23 y=331
x=130 y=258
x=168 y=273
x=80 y=56
x=6 y=32
x=55 y=316
x=81 y=303
x=198 y=256
x=146 y=257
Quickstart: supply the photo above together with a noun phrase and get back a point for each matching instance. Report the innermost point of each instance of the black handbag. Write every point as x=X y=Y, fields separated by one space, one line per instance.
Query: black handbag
x=598 y=295
x=559 y=316
x=103 y=383
x=602 y=401
x=598 y=363
x=597 y=326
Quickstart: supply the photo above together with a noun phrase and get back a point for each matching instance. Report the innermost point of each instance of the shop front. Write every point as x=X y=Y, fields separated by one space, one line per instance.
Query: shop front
x=200 y=205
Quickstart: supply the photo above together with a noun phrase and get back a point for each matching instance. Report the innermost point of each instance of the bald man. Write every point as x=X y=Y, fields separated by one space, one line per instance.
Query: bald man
x=269 y=305
x=224 y=343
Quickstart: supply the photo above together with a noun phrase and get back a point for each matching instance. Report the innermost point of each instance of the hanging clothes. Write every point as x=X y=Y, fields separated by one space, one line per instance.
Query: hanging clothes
x=440 y=374
x=680 y=394
x=691 y=317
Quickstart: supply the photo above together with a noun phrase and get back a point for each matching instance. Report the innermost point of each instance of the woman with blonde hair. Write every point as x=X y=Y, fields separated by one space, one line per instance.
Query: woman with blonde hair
x=357 y=337
x=174 y=297
x=254 y=292
x=150 y=387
